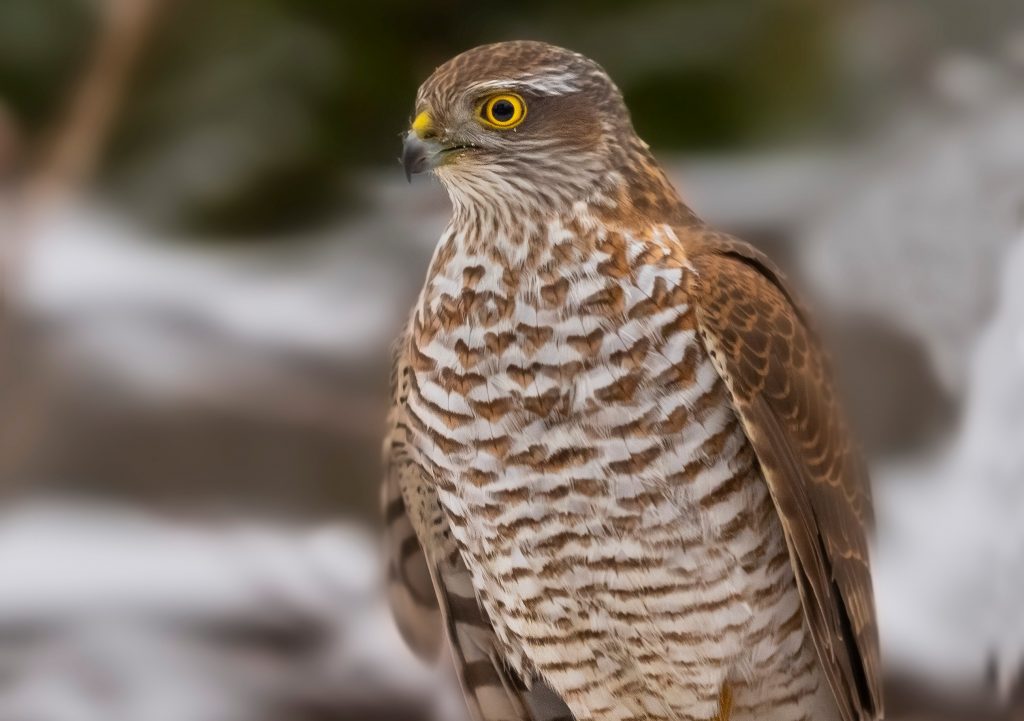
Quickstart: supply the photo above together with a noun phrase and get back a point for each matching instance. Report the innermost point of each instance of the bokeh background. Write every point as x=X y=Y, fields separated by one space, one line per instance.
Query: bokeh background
x=207 y=246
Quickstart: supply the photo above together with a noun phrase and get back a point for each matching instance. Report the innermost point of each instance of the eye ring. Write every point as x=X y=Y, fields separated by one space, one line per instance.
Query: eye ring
x=503 y=111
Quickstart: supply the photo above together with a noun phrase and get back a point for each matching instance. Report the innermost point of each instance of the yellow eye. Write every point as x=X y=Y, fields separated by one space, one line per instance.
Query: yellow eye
x=503 y=111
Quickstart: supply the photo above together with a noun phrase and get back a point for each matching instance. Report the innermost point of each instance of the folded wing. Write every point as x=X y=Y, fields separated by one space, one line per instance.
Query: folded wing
x=760 y=343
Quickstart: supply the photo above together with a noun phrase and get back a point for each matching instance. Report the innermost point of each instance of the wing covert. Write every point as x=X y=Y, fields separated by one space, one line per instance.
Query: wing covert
x=760 y=343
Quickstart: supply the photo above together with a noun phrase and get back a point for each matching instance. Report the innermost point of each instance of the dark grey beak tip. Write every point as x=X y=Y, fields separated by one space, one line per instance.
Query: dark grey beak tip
x=415 y=156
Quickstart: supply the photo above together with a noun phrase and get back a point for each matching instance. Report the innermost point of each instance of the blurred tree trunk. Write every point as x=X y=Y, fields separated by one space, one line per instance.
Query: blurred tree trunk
x=78 y=138
x=73 y=148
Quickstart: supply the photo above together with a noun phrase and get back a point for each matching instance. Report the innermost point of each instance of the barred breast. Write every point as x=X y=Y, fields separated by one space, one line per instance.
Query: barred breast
x=598 y=482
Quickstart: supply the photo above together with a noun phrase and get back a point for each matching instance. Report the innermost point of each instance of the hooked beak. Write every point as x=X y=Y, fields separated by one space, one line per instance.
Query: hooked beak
x=418 y=155
x=423 y=149
x=420 y=150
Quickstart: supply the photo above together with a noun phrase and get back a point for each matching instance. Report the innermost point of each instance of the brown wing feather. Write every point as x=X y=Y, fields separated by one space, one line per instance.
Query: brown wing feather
x=431 y=589
x=761 y=345
x=409 y=584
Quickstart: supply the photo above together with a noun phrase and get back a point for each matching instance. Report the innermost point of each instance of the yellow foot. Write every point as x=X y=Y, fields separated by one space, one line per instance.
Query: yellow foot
x=724 y=703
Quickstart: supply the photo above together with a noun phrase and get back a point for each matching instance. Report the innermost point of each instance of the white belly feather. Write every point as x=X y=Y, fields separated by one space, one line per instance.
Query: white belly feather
x=604 y=494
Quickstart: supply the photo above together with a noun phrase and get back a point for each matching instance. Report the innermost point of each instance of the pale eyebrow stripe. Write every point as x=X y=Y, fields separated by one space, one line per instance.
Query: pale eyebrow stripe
x=550 y=84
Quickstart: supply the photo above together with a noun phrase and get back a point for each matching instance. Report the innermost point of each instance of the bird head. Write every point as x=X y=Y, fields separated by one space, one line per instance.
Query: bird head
x=524 y=122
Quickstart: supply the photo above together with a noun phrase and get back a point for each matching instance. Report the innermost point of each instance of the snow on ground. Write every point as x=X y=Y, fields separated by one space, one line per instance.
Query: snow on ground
x=949 y=564
x=168 y=315
x=917 y=234
x=116 y=616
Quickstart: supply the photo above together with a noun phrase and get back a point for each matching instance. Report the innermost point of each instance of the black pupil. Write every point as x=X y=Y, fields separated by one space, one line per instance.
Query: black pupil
x=503 y=111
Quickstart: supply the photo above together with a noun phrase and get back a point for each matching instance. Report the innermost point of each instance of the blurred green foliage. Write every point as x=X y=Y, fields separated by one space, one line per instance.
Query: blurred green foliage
x=42 y=46
x=251 y=116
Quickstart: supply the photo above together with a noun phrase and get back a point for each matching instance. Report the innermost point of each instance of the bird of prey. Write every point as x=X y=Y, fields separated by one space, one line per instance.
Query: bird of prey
x=617 y=481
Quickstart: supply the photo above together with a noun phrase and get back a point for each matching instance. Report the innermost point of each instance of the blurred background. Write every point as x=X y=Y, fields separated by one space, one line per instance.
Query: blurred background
x=208 y=244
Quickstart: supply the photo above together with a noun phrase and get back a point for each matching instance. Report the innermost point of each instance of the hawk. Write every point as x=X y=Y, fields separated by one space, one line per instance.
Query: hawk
x=617 y=481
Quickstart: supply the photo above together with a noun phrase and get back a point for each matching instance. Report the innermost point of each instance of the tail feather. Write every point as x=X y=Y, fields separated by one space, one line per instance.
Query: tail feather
x=409 y=586
x=493 y=690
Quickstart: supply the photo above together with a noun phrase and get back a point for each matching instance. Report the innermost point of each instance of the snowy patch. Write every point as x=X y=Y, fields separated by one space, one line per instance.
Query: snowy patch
x=949 y=565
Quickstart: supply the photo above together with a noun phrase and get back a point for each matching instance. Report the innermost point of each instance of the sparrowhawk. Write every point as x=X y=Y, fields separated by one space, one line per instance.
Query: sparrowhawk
x=617 y=480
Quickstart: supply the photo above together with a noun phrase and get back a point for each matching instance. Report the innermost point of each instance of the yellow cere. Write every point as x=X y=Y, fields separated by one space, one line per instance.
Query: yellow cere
x=422 y=124
x=503 y=111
